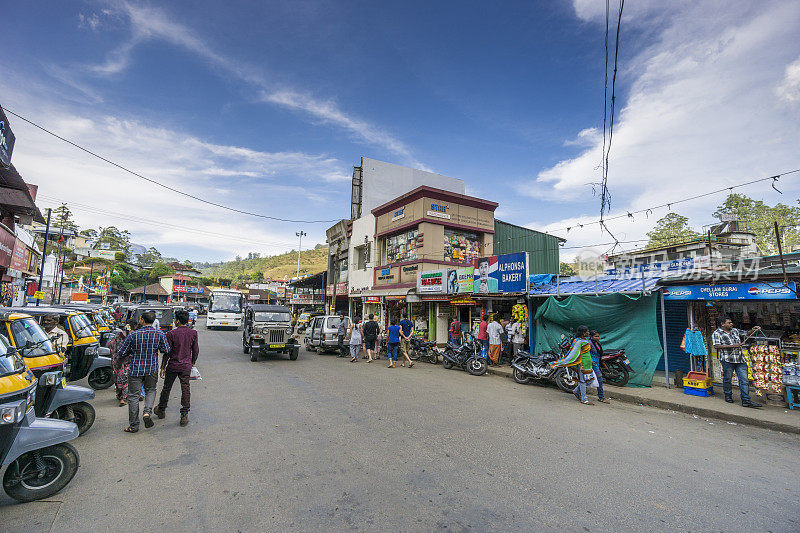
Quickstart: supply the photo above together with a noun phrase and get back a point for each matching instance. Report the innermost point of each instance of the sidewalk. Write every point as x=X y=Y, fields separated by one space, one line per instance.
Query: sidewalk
x=769 y=417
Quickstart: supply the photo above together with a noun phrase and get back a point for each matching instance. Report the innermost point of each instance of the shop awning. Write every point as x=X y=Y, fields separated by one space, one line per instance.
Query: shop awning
x=402 y=291
x=607 y=286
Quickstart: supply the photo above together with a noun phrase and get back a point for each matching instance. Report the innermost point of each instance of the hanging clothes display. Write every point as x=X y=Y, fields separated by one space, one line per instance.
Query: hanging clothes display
x=693 y=342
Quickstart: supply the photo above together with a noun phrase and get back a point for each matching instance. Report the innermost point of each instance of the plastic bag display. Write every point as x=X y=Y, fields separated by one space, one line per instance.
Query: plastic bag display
x=195 y=374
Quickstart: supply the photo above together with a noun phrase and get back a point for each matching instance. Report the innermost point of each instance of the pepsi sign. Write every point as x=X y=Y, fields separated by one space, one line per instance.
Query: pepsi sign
x=732 y=291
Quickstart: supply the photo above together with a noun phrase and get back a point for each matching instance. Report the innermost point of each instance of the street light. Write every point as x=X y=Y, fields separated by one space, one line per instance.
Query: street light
x=300 y=234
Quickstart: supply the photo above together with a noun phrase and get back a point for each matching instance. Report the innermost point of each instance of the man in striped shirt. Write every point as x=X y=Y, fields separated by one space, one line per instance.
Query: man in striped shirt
x=141 y=348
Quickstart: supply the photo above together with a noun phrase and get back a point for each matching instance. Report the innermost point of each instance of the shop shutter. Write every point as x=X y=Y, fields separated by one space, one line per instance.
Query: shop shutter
x=675 y=314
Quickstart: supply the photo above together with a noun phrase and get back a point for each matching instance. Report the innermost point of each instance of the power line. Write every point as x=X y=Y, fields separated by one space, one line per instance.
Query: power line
x=132 y=218
x=648 y=210
x=154 y=182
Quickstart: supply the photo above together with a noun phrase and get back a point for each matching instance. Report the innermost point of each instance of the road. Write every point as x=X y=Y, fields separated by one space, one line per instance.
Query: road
x=319 y=444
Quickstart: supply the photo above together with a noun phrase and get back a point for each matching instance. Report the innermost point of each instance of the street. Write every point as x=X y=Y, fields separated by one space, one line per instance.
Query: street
x=321 y=444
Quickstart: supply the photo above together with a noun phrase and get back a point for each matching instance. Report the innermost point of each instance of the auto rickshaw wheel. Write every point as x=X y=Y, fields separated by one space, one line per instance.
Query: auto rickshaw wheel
x=101 y=378
x=27 y=481
x=83 y=415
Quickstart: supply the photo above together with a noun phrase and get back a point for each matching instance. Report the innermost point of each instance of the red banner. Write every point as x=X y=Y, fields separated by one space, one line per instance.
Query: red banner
x=7 y=243
x=180 y=288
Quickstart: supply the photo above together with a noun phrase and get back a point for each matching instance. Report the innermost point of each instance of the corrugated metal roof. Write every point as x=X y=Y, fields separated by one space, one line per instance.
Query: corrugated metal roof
x=591 y=287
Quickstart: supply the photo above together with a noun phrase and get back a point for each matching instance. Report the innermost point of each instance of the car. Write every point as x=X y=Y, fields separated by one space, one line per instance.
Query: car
x=322 y=333
x=268 y=328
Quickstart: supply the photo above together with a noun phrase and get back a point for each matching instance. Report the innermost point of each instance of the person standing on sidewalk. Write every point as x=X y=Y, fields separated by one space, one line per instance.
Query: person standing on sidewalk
x=517 y=338
x=494 y=332
x=371 y=332
x=393 y=343
x=355 y=340
x=727 y=340
x=597 y=353
x=454 y=332
x=406 y=331
x=341 y=333
x=483 y=337
x=142 y=347
x=178 y=363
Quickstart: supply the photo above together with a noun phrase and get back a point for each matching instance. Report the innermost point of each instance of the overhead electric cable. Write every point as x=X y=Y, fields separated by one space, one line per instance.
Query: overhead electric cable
x=155 y=182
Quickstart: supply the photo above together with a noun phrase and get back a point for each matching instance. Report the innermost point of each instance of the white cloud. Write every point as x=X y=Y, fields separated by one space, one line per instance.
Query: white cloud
x=701 y=112
x=586 y=137
x=789 y=89
x=148 y=23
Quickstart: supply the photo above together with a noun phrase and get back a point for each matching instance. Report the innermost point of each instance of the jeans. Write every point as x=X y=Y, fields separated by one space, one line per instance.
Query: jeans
x=581 y=386
x=484 y=347
x=169 y=379
x=741 y=375
x=342 y=349
x=135 y=383
x=596 y=368
x=392 y=348
x=355 y=349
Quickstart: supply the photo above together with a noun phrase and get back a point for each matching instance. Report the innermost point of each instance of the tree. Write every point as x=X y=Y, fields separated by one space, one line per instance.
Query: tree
x=671 y=229
x=565 y=269
x=158 y=270
x=757 y=217
x=258 y=275
x=64 y=219
x=150 y=257
x=118 y=240
x=89 y=233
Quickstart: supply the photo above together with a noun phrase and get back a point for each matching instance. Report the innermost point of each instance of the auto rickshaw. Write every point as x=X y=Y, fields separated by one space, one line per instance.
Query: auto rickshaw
x=104 y=332
x=84 y=355
x=40 y=462
x=164 y=314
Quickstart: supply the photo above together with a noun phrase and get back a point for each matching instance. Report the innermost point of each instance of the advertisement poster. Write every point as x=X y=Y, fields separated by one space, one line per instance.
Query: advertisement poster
x=732 y=291
x=431 y=281
x=501 y=273
x=461 y=280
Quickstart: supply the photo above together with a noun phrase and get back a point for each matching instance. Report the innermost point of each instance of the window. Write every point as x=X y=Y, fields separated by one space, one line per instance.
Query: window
x=401 y=247
x=461 y=246
x=343 y=265
x=360 y=257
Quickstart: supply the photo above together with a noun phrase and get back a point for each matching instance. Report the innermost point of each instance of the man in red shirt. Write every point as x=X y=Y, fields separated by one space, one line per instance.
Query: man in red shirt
x=454 y=333
x=483 y=336
x=178 y=363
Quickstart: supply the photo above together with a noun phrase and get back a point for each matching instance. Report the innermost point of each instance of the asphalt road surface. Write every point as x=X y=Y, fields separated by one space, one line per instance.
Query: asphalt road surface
x=320 y=444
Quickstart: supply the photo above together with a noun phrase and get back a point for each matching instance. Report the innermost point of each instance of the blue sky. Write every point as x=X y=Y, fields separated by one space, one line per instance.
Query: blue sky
x=266 y=106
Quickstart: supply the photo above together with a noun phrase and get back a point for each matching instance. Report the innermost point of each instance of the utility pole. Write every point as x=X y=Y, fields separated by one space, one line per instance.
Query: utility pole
x=780 y=252
x=44 y=253
x=300 y=234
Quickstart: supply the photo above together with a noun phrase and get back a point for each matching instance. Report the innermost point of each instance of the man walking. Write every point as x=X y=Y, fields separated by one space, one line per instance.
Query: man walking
x=727 y=340
x=142 y=347
x=406 y=330
x=494 y=332
x=371 y=331
x=341 y=333
x=178 y=363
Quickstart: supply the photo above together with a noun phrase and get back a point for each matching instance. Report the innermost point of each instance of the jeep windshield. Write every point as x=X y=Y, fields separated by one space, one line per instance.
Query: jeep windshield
x=271 y=316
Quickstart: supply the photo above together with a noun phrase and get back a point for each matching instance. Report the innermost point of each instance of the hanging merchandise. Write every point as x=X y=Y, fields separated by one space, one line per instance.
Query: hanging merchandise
x=767 y=368
x=693 y=342
x=520 y=314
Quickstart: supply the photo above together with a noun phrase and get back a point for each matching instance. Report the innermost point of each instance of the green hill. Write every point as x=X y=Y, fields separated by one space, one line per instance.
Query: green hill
x=276 y=266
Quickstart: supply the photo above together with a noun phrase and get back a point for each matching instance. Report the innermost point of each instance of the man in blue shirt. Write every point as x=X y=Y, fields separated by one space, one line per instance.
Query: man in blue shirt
x=406 y=330
x=141 y=348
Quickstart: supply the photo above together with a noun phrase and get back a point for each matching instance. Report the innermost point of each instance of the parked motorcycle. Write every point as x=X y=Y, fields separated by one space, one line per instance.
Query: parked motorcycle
x=422 y=350
x=468 y=356
x=615 y=367
x=527 y=367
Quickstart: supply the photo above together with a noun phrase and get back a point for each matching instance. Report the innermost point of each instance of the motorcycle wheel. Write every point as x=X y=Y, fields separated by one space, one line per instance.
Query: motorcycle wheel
x=447 y=364
x=101 y=378
x=22 y=479
x=413 y=354
x=566 y=379
x=615 y=374
x=83 y=415
x=520 y=377
x=433 y=357
x=477 y=366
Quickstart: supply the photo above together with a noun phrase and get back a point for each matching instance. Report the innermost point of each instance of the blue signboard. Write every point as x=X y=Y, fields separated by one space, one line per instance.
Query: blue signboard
x=732 y=291
x=194 y=290
x=6 y=140
x=501 y=273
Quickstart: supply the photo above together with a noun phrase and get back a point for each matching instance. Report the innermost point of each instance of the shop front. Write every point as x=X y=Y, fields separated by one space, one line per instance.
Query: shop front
x=770 y=304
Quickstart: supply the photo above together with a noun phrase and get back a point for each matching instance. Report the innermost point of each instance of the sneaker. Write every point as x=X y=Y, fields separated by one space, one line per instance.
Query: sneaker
x=159 y=412
x=754 y=405
x=728 y=399
x=184 y=419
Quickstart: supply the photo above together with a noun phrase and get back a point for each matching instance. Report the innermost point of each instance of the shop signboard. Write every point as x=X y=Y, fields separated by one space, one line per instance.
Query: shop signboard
x=281 y=292
x=7 y=243
x=461 y=280
x=501 y=273
x=732 y=291
x=6 y=140
x=431 y=281
x=463 y=300
x=79 y=297
x=194 y=290
x=180 y=288
x=372 y=299
x=651 y=270
x=18 y=256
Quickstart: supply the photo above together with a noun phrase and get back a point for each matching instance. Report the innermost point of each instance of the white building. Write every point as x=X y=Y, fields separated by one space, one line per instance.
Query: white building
x=375 y=183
